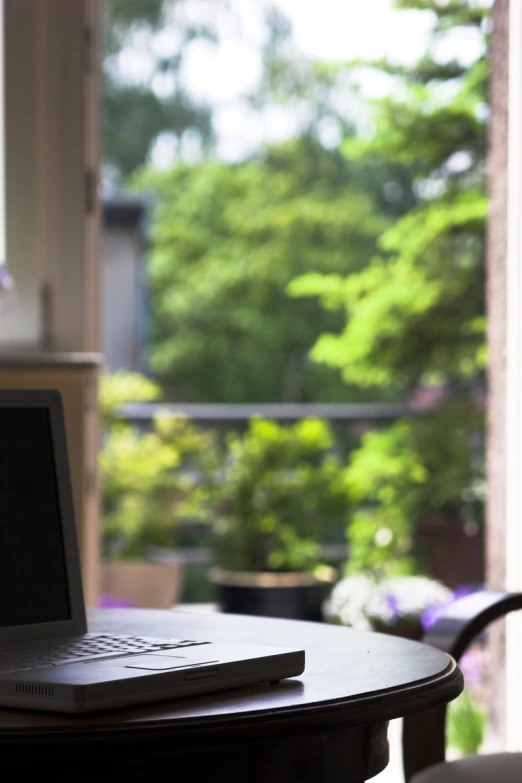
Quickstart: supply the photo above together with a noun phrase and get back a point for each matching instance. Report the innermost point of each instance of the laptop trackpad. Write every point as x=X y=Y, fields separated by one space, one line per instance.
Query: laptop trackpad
x=159 y=662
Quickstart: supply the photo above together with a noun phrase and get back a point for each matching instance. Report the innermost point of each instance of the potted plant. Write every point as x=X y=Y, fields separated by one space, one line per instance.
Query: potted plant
x=150 y=485
x=277 y=489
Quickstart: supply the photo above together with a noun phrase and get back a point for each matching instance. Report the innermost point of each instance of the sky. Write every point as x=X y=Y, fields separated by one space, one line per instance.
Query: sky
x=342 y=30
x=327 y=30
x=353 y=28
x=364 y=28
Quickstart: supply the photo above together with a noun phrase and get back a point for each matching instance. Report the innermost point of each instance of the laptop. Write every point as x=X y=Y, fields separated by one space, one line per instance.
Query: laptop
x=48 y=658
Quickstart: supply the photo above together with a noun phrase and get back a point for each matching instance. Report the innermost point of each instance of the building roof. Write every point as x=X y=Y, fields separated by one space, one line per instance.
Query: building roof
x=123 y=212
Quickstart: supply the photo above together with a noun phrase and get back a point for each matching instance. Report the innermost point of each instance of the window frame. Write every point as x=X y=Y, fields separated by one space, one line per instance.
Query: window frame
x=51 y=82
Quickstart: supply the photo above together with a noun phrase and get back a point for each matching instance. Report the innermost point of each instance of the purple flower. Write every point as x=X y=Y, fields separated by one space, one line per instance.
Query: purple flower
x=108 y=601
x=392 y=603
x=430 y=615
x=462 y=590
x=472 y=666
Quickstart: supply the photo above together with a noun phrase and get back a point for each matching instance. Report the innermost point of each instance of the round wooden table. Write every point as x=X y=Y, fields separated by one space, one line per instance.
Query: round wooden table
x=328 y=725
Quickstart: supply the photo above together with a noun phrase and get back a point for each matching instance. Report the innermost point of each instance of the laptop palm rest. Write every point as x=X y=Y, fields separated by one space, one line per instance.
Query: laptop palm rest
x=160 y=661
x=153 y=662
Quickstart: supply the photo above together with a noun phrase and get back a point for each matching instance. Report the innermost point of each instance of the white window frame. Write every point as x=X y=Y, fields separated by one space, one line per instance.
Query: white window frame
x=51 y=165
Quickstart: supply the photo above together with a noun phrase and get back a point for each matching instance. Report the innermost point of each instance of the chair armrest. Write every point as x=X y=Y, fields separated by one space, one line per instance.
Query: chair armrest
x=424 y=734
x=465 y=618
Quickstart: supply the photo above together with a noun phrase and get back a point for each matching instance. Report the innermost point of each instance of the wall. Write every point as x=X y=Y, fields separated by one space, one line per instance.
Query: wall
x=120 y=298
x=122 y=283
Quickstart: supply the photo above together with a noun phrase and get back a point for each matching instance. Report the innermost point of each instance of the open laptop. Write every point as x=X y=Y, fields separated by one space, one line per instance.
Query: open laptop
x=48 y=660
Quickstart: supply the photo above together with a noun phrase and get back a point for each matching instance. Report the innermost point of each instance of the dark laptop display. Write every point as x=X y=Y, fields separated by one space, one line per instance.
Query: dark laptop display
x=32 y=558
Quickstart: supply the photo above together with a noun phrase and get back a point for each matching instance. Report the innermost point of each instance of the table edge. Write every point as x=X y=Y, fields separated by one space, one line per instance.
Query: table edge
x=434 y=691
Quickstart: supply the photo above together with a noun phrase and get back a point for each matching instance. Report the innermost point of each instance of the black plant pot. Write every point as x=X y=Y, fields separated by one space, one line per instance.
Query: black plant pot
x=293 y=596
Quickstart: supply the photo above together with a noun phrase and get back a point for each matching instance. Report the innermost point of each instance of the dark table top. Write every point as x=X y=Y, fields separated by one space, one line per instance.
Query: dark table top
x=351 y=677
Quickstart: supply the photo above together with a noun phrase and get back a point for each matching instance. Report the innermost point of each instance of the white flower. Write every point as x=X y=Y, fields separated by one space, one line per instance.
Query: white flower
x=359 y=600
x=349 y=599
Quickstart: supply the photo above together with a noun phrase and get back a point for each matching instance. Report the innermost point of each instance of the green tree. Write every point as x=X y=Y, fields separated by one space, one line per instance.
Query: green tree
x=414 y=315
x=225 y=242
x=227 y=239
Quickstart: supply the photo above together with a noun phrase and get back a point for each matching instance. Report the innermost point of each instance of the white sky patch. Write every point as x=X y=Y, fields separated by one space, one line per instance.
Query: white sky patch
x=335 y=30
x=163 y=84
x=191 y=151
x=165 y=151
x=459 y=162
x=215 y=74
x=374 y=84
x=462 y=44
x=241 y=131
x=330 y=133
x=167 y=43
x=329 y=31
x=347 y=29
x=135 y=65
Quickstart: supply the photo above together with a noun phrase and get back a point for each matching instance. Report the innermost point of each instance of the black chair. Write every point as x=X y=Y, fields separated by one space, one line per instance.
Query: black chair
x=423 y=741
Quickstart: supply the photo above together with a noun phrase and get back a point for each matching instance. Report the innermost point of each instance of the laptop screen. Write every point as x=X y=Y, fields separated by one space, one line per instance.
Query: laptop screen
x=33 y=577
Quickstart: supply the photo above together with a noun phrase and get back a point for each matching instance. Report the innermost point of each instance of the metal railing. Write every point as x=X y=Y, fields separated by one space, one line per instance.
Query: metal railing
x=142 y=412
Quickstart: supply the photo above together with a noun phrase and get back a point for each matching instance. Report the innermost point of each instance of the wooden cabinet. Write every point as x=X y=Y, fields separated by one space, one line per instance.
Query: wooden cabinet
x=75 y=375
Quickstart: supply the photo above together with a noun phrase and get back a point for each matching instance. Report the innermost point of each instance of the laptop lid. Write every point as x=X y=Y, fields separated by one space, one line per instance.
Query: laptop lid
x=41 y=593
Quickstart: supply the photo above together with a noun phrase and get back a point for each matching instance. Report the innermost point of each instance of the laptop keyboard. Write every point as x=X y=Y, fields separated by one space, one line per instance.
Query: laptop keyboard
x=91 y=646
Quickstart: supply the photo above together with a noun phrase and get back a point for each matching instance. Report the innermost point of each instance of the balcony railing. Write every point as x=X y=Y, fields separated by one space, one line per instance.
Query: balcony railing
x=360 y=412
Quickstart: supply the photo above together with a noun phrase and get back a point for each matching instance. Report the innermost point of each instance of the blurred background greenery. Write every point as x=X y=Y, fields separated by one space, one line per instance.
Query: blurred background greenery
x=343 y=263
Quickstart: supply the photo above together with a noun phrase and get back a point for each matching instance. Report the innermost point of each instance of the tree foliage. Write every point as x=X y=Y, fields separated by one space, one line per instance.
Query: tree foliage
x=227 y=239
x=225 y=242
x=414 y=315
